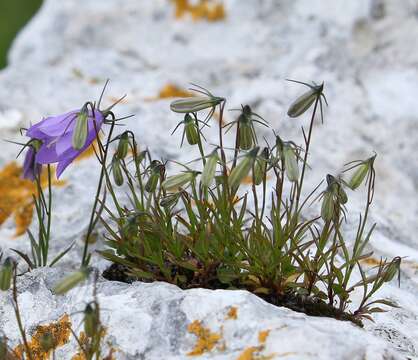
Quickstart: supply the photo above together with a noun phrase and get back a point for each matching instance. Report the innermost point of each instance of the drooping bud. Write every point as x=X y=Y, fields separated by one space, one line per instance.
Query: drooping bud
x=260 y=166
x=71 y=281
x=335 y=186
x=91 y=320
x=361 y=172
x=176 y=181
x=392 y=269
x=209 y=169
x=156 y=170
x=194 y=104
x=328 y=207
x=243 y=168
x=123 y=145
x=170 y=200
x=191 y=130
x=6 y=274
x=117 y=171
x=81 y=129
x=304 y=102
x=290 y=162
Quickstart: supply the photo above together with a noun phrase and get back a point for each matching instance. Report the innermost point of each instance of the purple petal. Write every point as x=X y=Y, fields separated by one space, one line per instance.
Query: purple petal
x=47 y=154
x=31 y=169
x=62 y=165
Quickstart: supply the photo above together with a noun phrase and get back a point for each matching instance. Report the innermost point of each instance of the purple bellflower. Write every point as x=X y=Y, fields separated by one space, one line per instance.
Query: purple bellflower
x=64 y=137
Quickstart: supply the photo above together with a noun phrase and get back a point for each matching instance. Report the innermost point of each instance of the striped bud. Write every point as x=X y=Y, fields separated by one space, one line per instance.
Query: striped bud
x=117 y=171
x=194 y=104
x=245 y=135
x=71 y=281
x=239 y=172
x=176 y=181
x=392 y=269
x=170 y=200
x=260 y=166
x=91 y=320
x=6 y=273
x=156 y=171
x=328 y=207
x=336 y=188
x=290 y=162
x=304 y=102
x=191 y=130
x=209 y=169
x=81 y=129
x=123 y=146
x=361 y=172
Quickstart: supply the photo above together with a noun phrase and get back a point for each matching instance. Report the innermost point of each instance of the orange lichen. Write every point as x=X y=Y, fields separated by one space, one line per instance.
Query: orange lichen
x=60 y=333
x=248 y=353
x=232 y=313
x=206 y=340
x=370 y=261
x=204 y=10
x=172 y=91
x=262 y=336
x=16 y=196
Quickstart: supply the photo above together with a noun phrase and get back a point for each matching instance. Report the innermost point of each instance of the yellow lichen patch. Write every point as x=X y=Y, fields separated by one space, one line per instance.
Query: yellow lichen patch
x=16 y=196
x=370 y=261
x=58 y=331
x=206 y=340
x=232 y=313
x=173 y=91
x=209 y=10
x=248 y=353
x=262 y=336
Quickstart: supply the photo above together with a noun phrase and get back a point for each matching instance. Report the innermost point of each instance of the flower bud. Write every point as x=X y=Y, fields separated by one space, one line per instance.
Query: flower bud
x=91 y=320
x=304 y=102
x=239 y=172
x=170 y=200
x=260 y=166
x=328 y=207
x=117 y=171
x=123 y=146
x=81 y=129
x=290 y=162
x=176 y=181
x=71 y=281
x=245 y=135
x=391 y=269
x=361 y=172
x=194 y=104
x=191 y=130
x=156 y=171
x=6 y=274
x=336 y=188
x=209 y=169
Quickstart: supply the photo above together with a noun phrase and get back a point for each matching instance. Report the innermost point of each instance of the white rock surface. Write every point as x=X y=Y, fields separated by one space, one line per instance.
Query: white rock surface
x=364 y=51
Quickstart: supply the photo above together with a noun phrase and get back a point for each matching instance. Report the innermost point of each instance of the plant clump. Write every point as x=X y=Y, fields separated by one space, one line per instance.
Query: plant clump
x=238 y=219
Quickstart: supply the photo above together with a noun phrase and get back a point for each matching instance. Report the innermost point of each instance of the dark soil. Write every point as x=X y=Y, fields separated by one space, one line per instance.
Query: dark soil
x=296 y=302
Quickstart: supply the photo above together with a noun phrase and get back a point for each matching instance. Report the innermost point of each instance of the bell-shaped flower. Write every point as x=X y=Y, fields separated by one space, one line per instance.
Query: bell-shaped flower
x=57 y=133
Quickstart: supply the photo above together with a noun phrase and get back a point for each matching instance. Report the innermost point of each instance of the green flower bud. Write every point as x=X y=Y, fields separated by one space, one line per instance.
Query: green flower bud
x=363 y=168
x=328 y=207
x=176 y=181
x=6 y=274
x=71 y=281
x=245 y=135
x=290 y=162
x=170 y=200
x=117 y=171
x=392 y=269
x=304 y=102
x=191 y=130
x=209 y=169
x=260 y=167
x=81 y=129
x=336 y=188
x=152 y=182
x=123 y=146
x=91 y=320
x=194 y=104
x=242 y=169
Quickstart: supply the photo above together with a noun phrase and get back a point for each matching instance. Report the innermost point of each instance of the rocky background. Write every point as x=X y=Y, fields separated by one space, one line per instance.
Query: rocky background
x=364 y=51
